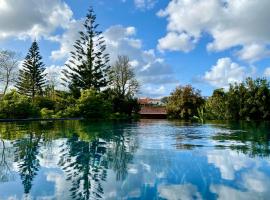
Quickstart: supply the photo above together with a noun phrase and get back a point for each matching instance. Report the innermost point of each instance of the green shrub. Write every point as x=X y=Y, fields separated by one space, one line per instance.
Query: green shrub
x=44 y=102
x=46 y=113
x=14 y=105
x=92 y=105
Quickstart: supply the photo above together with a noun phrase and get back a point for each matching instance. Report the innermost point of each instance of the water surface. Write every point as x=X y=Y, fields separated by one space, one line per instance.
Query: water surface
x=150 y=159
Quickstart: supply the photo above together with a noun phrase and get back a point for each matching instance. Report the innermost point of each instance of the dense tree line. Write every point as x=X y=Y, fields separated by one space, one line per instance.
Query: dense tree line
x=249 y=100
x=94 y=89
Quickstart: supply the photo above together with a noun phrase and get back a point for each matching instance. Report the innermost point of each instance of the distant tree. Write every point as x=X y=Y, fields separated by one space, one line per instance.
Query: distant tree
x=123 y=79
x=31 y=80
x=215 y=106
x=88 y=66
x=8 y=68
x=184 y=102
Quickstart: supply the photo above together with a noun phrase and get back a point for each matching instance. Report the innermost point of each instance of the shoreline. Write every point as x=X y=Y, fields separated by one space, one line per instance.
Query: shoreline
x=39 y=119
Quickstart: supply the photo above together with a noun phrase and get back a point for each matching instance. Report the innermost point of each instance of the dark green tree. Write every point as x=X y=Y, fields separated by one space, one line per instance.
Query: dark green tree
x=31 y=80
x=88 y=66
x=215 y=106
x=184 y=102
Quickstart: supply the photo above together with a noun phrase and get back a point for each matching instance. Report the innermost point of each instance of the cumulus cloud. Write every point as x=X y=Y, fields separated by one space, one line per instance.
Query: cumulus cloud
x=176 y=42
x=226 y=72
x=236 y=23
x=66 y=40
x=32 y=19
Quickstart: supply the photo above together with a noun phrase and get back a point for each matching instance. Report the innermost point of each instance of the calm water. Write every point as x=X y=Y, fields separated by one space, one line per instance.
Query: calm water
x=141 y=160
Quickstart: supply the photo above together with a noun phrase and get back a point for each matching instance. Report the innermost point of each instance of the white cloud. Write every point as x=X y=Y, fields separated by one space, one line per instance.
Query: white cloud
x=145 y=4
x=176 y=42
x=253 y=52
x=66 y=40
x=226 y=72
x=267 y=72
x=32 y=19
x=236 y=23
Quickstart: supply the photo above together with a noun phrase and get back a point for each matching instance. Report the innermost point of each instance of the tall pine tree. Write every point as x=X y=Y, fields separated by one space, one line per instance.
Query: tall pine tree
x=88 y=66
x=31 y=80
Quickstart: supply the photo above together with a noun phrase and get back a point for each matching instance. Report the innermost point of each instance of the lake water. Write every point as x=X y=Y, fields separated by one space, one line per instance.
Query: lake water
x=150 y=159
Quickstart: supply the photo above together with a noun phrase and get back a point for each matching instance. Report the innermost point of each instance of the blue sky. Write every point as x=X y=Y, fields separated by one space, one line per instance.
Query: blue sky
x=206 y=43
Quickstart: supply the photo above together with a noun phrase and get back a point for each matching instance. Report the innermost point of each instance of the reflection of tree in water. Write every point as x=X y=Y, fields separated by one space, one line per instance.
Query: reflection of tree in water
x=120 y=153
x=6 y=155
x=86 y=161
x=85 y=165
x=26 y=156
x=252 y=138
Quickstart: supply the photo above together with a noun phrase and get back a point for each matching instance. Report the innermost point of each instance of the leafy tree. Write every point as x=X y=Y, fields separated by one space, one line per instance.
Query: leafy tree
x=183 y=102
x=249 y=100
x=8 y=68
x=88 y=66
x=256 y=96
x=215 y=106
x=32 y=78
x=123 y=79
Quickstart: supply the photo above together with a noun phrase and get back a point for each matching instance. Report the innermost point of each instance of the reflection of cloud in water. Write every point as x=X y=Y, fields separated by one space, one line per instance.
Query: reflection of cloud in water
x=253 y=184
x=49 y=154
x=176 y=192
x=256 y=181
x=228 y=162
x=61 y=186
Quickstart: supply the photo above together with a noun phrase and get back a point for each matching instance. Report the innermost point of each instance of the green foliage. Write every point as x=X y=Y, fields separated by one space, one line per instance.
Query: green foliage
x=183 y=102
x=31 y=78
x=201 y=115
x=92 y=105
x=125 y=105
x=249 y=100
x=46 y=113
x=44 y=102
x=14 y=105
x=88 y=67
x=215 y=106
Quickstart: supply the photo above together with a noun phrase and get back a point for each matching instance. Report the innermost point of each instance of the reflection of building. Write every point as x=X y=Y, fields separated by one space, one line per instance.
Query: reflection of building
x=152 y=108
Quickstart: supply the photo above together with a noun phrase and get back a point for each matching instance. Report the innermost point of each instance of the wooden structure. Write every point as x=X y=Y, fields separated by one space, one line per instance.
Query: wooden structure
x=152 y=112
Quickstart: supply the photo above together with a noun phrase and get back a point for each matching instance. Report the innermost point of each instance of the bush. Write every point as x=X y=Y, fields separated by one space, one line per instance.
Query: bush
x=44 y=102
x=14 y=105
x=125 y=106
x=92 y=105
x=45 y=113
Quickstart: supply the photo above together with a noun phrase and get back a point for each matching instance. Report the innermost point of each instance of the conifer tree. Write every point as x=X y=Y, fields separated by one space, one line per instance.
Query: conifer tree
x=88 y=66
x=31 y=80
